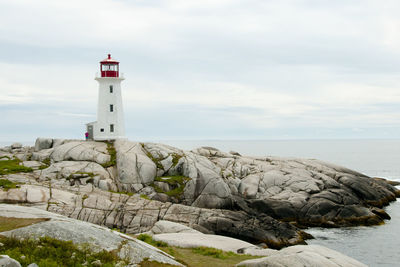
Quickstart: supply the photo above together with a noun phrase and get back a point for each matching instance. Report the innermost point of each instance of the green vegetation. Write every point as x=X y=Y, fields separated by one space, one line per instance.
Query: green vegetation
x=177 y=182
x=145 y=196
x=113 y=155
x=195 y=257
x=51 y=252
x=150 y=156
x=47 y=161
x=9 y=223
x=149 y=240
x=6 y=184
x=12 y=166
x=175 y=159
x=150 y=263
x=212 y=252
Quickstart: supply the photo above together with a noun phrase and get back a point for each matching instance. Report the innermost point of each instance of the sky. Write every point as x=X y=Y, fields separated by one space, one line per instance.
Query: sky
x=210 y=69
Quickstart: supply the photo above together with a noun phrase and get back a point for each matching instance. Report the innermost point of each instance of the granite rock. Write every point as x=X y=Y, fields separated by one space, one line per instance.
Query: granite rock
x=6 y=261
x=300 y=256
x=99 y=238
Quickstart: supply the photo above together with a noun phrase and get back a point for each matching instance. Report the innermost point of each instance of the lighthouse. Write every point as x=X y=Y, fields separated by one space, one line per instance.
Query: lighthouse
x=110 y=114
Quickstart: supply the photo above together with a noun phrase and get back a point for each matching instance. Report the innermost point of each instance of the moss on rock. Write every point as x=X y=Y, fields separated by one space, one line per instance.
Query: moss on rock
x=12 y=166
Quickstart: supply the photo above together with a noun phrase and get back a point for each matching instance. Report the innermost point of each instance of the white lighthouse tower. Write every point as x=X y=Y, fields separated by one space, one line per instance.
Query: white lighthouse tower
x=110 y=115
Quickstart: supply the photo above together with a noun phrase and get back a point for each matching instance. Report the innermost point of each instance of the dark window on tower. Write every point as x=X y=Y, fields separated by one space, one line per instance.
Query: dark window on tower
x=111 y=108
x=101 y=130
x=111 y=89
x=112 y=128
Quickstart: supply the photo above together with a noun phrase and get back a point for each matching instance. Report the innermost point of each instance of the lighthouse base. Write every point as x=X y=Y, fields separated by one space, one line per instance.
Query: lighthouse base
x=99 y=132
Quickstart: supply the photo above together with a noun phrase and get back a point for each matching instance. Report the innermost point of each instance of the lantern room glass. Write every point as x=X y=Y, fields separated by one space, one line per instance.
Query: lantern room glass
x=109 y=67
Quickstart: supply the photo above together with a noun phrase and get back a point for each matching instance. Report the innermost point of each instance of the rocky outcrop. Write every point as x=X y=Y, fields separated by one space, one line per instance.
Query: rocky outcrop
x=67 y=229
x=300 y=256
x=134 y=214
x=251 y=198
x=308 y=192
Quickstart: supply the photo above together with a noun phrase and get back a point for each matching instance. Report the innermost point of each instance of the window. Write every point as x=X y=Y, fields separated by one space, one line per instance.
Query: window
x=111 y=108
x=111 y=89
x=102 y=130
x=105 y=67
x=111 y=128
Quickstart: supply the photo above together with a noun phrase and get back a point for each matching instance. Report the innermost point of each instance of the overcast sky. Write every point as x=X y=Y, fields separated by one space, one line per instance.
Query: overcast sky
x=215 y=69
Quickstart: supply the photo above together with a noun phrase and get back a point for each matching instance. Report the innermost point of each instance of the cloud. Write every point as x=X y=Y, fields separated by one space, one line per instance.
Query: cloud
x=210 y=68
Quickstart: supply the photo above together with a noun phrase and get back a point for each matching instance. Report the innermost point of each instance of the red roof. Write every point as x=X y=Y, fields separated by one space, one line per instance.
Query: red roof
x=109 y=60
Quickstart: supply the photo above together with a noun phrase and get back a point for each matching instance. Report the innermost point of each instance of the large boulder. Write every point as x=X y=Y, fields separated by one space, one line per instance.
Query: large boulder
x=135 y=168
x=6 y=261
x=81 y=151
x=43 y=143
x=66 y=169
x=99 y=238
x=165 y=227
x=205 y=188
x=300 y=256
x=193 y=240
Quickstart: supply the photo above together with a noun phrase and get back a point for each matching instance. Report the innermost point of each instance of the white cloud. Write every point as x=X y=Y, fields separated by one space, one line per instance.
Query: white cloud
x=262 y=64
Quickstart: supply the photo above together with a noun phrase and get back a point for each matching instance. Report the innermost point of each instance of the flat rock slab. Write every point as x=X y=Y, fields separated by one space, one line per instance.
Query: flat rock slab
x=300 y=256
x=165 y=227
x=193 y=240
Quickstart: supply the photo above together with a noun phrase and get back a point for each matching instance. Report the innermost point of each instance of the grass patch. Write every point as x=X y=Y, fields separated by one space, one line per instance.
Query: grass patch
x=113 y=155
x=51 y=252
x=177 y=182
x=6 y=184
x=213 y=252
x=145 y=196
x=47 y=161
x=153 y=159
x=12 y=166
x=175 y=159
x=9 y=223
x=195 y=257
x=42 y=167
x=150 y=263
x=149 y=240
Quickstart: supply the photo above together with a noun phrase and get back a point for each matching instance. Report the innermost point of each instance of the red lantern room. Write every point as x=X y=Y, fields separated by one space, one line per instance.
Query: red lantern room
x=109 y=67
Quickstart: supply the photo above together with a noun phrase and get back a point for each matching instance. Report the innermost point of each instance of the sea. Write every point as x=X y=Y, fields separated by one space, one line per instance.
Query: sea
x=374 y=245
